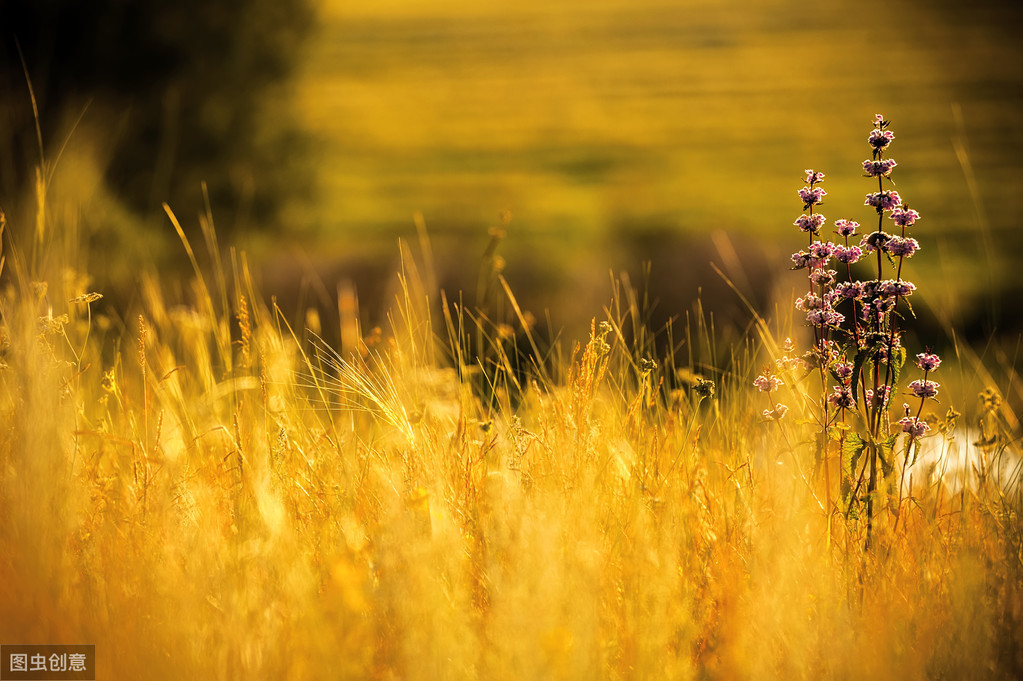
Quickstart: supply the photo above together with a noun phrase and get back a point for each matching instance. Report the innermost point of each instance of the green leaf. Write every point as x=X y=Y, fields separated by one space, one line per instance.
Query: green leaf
x=853 y=448
x=885 y=454
x=900 y=361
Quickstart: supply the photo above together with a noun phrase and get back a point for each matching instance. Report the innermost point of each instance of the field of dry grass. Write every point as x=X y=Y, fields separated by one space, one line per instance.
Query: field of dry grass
x=207 y=491
x=209 y=478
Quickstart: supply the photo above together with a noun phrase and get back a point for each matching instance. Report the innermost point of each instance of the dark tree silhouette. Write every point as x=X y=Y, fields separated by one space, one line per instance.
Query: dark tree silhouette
x=187 y=91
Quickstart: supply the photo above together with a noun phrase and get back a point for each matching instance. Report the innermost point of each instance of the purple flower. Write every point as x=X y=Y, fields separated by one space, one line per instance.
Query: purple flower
x=880 y=139
x=848 y=254
x=812 y=177
x=777 y=413
x=875 y=240
x=928 y=361
x=842 y=397
x=882 y=168
x=848 y=289
x=903 y=217
x=822 y=276
x=800 y=260
x=883 y=200
x=766 y=384
x=846 y=227
x=822 y=250
x=914 y=426
x=899 y=288
x=924 y=388
x=825 y=317
x=902 y=247
x=810 y=302
x=810 y=223
x=811 y=196
x=882 y=395
x=843 y=370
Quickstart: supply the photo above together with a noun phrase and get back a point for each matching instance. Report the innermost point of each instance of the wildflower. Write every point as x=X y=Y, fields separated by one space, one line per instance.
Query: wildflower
x=800 y=260
x=86 y=298
x=704 y=388
x=809 y=302
x=848 y=254
x=793 y=364
x=843 y=370
x=848 y=289
x=812 y=177
x=811 y=196
x=825 y=317
x=880 y=139
x=842 y=397
x=846 y=227
x=914 y=426
x=899 y=288
x=875 y=240
x=880 y=398
x=903 y=217
x=924 y=389
x=822 y=276
x=810 y=223
x=879 y=168
x=883 y=200
x=902 y=247
x=822 y=249
x=766 y=384
x=928 y=361
x=777 y=413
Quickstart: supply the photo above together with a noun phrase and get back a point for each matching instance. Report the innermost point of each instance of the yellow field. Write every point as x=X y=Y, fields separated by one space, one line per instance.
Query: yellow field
x=194 y=480
x=203 y=492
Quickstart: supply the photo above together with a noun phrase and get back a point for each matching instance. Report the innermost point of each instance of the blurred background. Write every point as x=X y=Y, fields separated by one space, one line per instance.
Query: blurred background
x=654 y=138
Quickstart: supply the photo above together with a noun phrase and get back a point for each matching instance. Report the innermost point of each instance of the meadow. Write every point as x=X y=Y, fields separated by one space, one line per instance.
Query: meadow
x=416 y=476
x=205 y=490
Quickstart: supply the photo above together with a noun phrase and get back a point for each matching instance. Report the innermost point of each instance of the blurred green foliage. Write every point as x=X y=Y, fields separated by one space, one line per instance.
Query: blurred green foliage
x=170 y=93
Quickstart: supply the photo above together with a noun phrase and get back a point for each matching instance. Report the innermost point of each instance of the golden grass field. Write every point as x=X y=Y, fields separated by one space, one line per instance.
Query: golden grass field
x=193 y=480
x=205 y=491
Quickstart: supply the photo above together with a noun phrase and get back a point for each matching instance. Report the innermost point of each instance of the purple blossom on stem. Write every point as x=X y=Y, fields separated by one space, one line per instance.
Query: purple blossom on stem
x=928 y=361
x=809 y=302
x=822 y=277
x=846 y=227
x=874 y=241
x=800 y=260
x=824 y=317
x=843 y=370
x=880 y=139
x=924 y=389
x=842 y=397
x=813 y=177
x=766 y=384
x=883 y=200
x=810 y=223
x=777 y=413
x=811 y=196
x=902 y=247
x=903 y=217
x=879 y=168
x=848 y=289
x=848 y=254
x=914 y=426
x=880 y=398
x=899 y=288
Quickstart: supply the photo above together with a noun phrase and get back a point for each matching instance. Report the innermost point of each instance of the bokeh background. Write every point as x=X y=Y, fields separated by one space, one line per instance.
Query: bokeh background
x=646 y=137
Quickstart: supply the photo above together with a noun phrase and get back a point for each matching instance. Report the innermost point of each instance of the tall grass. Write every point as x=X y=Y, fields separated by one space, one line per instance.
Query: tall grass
x=204 y=489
